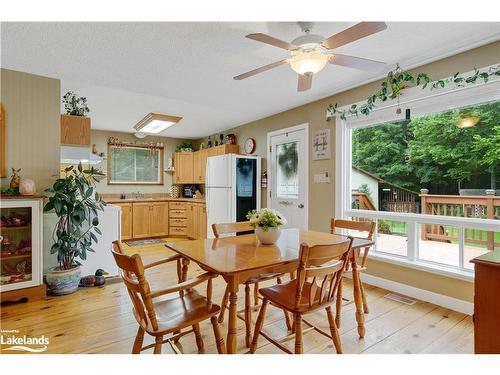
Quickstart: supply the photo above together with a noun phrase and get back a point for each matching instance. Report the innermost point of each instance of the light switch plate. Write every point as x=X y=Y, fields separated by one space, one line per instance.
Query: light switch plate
x=322 y=178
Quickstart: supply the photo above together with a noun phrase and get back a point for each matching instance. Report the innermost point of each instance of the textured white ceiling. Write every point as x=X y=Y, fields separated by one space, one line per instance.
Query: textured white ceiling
x=127 y=70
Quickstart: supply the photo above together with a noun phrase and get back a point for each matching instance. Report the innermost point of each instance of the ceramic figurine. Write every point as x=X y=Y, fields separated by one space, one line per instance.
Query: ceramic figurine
x=14 y=181
x=96 y=279
x=209 y=142
x=221 y=137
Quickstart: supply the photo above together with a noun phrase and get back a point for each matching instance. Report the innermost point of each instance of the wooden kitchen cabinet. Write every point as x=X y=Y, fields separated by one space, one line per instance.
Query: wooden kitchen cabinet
x=183 y=168
x=159 y=219
x=190 y=167
x=487 y=303
x=150 y=219
x=126 y=220
x=200 y=165
x=75 y=130
x=141 y=222
x=196 y=223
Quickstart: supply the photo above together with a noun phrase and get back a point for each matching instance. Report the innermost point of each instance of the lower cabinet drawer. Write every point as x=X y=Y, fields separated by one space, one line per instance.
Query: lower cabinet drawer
x=177 y=213
x=178 y=222
x=178 y=205
x=177 y=231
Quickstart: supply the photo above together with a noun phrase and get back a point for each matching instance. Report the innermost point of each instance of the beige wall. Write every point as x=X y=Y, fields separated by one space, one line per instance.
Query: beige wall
x=321 y=196
x=100 y=139
x=32 y=107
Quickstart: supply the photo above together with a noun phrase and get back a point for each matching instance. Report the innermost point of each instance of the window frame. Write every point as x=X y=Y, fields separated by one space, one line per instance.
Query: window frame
x=422 y=102
x=160 y=180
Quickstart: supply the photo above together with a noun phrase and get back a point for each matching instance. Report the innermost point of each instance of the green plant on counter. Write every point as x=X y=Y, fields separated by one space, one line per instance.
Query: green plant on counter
x=75 y=105
x=9 y=191
x=76 y=204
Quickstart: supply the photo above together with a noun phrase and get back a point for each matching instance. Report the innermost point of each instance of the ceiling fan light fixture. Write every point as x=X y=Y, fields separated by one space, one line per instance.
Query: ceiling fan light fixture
x=308 y=62
x=155 y=123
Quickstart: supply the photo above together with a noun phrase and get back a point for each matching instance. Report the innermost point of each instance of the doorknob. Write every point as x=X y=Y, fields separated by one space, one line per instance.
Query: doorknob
x=301 y=205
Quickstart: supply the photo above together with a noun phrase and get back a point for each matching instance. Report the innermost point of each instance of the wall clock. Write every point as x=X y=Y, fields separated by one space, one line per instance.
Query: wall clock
x=250 y=145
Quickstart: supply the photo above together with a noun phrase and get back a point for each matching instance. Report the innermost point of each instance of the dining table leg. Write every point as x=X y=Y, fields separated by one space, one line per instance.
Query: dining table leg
x=232 y=321
x=358 y=300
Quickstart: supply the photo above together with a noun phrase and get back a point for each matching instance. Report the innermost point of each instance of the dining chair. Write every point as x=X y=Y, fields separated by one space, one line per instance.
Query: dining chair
x=319 y=275
x=235 y=228
x=367 y=227
x=164 y=318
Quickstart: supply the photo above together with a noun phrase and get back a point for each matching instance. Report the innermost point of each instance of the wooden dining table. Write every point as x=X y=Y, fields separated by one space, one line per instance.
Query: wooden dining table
x=238 y=258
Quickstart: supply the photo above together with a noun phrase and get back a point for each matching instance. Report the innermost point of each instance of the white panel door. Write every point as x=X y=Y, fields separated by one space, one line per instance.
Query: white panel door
x=288 y=174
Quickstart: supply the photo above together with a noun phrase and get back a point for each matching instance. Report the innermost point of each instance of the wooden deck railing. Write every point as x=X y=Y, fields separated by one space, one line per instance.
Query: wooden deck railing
x=486 y=207
x=362 y=202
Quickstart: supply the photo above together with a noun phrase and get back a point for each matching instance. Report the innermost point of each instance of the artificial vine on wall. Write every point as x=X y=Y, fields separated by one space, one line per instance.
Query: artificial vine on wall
x=398 y=80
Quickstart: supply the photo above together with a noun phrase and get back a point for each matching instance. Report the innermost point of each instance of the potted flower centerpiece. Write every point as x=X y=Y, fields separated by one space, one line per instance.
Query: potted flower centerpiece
x=267 y=224
x=76 y=204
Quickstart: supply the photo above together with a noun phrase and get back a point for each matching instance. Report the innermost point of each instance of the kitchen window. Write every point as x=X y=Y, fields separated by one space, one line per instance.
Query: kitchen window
x=135 y=165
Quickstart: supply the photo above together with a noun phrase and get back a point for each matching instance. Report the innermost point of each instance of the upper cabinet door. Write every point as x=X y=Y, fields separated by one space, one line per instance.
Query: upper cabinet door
x=75 y=130
x=183 y=165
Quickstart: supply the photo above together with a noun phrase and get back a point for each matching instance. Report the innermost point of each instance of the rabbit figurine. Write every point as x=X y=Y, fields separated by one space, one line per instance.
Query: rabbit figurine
x=14 y=181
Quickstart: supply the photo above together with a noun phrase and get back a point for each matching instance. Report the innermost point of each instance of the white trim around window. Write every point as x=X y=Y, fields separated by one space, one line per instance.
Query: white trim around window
x=421 y=102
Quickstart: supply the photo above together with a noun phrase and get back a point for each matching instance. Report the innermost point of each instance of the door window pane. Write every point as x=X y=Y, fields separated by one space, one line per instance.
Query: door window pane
x=287 y=164
x=439 y=244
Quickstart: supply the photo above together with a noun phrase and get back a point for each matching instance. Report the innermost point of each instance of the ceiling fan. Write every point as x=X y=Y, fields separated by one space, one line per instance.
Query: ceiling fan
x=310 y=53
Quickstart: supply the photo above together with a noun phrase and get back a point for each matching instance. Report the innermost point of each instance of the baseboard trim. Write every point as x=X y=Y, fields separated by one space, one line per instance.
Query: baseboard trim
x=421 y=294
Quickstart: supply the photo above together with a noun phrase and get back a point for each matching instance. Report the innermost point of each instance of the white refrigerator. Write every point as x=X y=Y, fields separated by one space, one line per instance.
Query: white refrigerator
x=232 y=188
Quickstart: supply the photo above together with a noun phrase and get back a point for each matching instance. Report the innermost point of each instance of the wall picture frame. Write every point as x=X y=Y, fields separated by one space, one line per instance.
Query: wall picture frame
x=321 y=144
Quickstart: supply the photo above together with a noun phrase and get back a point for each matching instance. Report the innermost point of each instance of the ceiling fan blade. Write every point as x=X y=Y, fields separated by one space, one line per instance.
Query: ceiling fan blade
x=357 y=63
x=264 y=38
x=353 y=33
x=260 y=70
x=305 y=82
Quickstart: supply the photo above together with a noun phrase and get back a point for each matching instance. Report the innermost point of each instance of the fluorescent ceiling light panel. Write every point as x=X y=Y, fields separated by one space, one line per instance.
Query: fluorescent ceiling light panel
x=155 y=123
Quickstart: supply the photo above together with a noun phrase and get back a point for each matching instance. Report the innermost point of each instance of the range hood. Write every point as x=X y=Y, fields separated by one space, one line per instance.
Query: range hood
x=76 y=155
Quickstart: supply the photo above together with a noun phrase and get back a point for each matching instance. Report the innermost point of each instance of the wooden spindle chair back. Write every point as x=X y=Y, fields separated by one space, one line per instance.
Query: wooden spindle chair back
x=324 y=264
x=226 y=228
x=361 y=226
x=132 y=273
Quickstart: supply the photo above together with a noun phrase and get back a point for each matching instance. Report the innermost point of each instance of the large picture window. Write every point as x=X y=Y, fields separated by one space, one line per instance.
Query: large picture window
x=135 y=165
x=431 y=182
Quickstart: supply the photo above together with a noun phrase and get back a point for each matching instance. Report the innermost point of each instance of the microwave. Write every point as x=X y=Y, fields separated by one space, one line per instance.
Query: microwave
x=189 y=191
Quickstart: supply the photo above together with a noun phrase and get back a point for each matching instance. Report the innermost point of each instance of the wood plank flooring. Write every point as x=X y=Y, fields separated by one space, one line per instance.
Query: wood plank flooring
x=99 y=320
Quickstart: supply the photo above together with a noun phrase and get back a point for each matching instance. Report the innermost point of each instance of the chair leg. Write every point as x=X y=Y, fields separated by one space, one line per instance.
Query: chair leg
x=139 y=338
x=334 y=331
x=248 y=316
x=258 y=325
x=256 y=294
x=197 y=334
x=219 y=341
x=158 y=343
x=363 y=297
x=298 y=334
x=338 y=305
x=287 y=318
x=223 y=305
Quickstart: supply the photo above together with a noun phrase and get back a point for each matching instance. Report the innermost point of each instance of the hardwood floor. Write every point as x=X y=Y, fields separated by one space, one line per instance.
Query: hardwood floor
x=99 y=320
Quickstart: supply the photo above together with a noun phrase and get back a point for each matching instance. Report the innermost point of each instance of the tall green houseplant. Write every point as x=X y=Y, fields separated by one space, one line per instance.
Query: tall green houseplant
x=76 y=204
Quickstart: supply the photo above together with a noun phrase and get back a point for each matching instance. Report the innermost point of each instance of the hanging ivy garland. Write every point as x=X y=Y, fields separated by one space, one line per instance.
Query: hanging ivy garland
x=288 y=159
x=397 y=80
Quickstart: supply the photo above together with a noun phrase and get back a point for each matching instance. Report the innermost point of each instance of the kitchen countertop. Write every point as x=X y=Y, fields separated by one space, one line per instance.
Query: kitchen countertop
x=162 y=199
